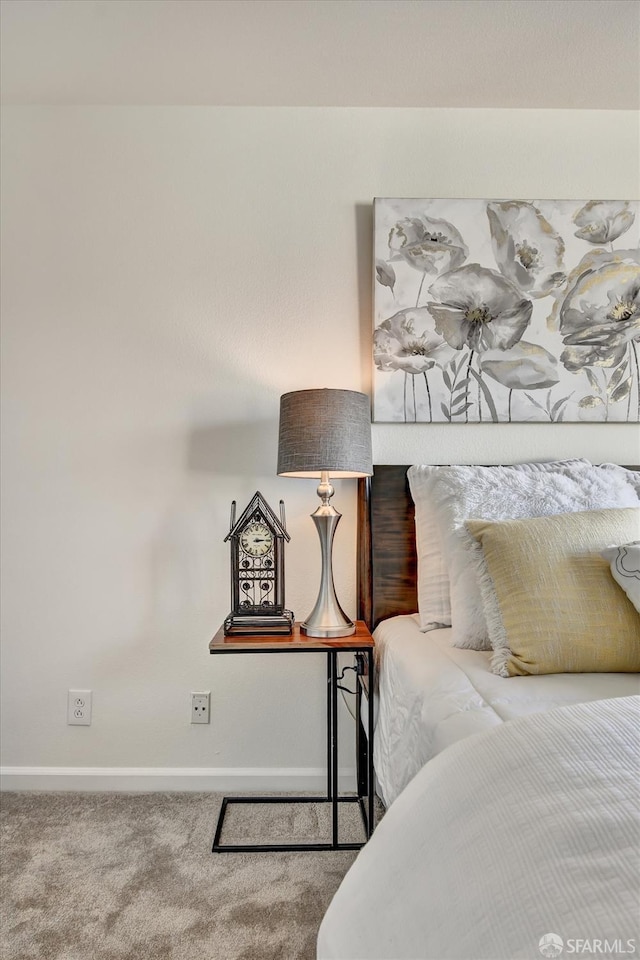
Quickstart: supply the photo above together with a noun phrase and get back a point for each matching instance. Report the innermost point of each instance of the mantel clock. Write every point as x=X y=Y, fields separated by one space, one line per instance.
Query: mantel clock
x=257 y=541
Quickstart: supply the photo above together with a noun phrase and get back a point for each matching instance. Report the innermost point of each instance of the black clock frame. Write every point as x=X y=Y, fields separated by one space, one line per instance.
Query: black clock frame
x=266 y=616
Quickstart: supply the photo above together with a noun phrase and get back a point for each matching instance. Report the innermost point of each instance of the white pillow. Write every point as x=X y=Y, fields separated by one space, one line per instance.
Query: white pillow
x=446 y=497
x=434 y=602
x=632 y=476
x=625 y=568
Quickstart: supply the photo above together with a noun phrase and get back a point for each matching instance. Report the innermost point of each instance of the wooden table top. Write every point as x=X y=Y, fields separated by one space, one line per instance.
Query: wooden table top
x=297 y=640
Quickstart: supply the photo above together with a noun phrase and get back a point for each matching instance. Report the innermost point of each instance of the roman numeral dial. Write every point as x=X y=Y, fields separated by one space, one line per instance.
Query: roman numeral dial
x=256 y=540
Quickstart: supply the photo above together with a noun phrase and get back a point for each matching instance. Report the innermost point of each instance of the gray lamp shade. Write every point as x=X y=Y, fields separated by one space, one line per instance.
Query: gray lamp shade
x=324 y=430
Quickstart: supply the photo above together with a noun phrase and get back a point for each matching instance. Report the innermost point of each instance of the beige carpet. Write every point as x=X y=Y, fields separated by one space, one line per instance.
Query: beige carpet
x=103 y=876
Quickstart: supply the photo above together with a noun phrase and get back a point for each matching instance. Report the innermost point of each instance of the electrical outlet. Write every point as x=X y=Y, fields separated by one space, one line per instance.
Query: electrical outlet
x=200 y=703
x=79 y=707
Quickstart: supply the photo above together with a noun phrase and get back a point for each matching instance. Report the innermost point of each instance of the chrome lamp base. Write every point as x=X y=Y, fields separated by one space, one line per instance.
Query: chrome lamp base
x=327 y=619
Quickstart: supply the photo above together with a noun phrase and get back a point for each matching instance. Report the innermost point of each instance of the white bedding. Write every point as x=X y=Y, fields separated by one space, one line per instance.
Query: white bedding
x=432 y=694
x=528 y=829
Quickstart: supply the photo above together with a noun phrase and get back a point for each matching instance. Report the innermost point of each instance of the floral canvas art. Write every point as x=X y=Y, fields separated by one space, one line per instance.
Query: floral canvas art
x=506 y=310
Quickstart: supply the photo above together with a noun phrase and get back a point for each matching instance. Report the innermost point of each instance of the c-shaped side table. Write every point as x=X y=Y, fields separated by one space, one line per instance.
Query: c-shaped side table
x=361 y=644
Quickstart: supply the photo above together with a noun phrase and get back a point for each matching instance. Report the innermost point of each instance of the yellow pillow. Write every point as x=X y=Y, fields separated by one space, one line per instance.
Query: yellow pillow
x=551 y=603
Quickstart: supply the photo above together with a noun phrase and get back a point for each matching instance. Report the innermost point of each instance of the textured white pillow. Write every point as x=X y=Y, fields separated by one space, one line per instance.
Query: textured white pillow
x=625 y=568
x=434 y=601
x=632 y=476
x=448 y=496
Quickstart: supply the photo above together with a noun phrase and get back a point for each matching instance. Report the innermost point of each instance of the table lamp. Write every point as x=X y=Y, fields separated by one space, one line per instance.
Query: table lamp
x=324 y=434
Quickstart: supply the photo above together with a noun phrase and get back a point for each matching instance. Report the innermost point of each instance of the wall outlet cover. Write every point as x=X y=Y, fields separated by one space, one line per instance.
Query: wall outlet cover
x=200 y=707
x=79 y=704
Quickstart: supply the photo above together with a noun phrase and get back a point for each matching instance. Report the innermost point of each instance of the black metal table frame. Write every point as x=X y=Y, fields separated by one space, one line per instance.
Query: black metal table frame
x=364 y=758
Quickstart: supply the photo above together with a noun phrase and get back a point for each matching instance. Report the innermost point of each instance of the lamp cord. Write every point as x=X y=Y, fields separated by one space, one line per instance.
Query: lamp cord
x=347 y=690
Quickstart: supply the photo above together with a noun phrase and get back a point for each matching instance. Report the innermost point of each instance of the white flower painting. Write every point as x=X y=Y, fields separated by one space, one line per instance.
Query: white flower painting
x=506 y=311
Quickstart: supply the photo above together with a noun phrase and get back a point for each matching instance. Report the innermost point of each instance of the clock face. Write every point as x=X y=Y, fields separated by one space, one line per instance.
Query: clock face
x=256 y=540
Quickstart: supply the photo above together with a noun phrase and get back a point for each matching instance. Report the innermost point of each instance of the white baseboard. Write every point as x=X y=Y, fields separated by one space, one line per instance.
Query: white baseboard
x=208 y=779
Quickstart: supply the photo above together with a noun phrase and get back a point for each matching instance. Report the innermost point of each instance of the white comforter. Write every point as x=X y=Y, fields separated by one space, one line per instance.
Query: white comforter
x=528 y=829
x=432 y=694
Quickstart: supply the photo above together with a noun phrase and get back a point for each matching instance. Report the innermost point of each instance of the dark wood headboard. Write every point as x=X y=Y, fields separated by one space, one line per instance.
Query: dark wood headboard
x=387 y=564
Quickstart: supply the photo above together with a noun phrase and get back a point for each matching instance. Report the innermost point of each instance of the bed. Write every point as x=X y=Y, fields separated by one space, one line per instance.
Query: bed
x=447 y=694
x=512 y=802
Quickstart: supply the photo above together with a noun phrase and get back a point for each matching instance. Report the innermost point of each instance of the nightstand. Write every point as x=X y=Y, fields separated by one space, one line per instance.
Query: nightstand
x=361 y=645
